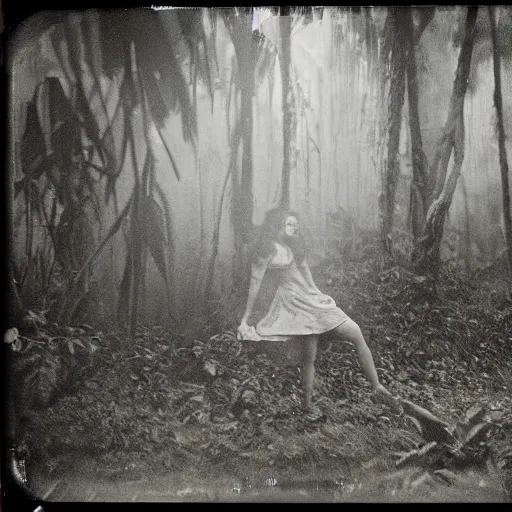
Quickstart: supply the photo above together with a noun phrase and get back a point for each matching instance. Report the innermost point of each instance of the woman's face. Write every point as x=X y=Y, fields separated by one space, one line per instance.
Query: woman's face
x=291 y=227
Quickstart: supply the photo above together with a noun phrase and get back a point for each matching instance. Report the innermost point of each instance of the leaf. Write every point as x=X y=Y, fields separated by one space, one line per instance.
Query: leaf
x=169 y=154
x=464 y=427
x=170 y=88
x=78 y=342
x=43 y=379
x=446 y=475
x=415 y=422
x=62 y=129
x=476 y=433
x=17 y=345
x=152 y=225
x=11 y=335
x=110 y=233
x=71 y=347
x=73 y=33
x=180 y=438
x=475 y=414
x=427 y=448
x=210 y=368
x=432 y=427
x=115 y=32
x=33 y=148
x=92 y=41
x=417 y=456
x=424 y=478
x=35 y=319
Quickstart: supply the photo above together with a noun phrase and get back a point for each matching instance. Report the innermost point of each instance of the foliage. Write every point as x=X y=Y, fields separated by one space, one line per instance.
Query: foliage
x=68 y=141
x=212 y=402
x=54 y=362
x=223 y=405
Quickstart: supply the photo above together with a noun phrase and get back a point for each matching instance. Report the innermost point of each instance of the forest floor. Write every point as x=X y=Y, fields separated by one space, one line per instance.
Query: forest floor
x=221 y=419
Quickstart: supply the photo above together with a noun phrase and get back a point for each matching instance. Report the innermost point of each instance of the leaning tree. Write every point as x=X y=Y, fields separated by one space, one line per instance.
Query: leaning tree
x=426 y=254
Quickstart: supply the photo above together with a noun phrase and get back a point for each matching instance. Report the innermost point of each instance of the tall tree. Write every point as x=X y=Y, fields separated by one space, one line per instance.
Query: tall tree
x=419 y=185
x=498 y=104
x=239 y=25
x=285 y=61
x=392 y=99
x=264 y=55
x=426 y=252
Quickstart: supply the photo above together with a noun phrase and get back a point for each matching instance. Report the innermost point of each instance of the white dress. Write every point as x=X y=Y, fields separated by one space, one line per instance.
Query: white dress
x=298 y=307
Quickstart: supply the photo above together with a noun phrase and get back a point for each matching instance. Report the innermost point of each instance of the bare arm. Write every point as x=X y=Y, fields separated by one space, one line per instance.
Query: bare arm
x=307 y=274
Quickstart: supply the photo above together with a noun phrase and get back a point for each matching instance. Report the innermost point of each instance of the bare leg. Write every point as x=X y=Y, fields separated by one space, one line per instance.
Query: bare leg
x=350 y=331
x=309 y=346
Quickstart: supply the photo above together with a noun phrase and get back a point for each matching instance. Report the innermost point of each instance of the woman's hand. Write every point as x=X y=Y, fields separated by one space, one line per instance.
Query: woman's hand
x=246 y=332
x=242 y=330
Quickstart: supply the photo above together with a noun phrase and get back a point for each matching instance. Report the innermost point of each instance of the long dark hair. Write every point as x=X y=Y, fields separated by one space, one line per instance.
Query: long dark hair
x=269 y=230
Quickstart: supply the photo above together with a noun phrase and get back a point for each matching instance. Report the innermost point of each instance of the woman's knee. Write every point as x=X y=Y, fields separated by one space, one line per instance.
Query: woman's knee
x=350 y=331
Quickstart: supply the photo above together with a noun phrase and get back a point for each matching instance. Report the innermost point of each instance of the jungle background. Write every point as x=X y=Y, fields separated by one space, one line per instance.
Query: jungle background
x=145 y=147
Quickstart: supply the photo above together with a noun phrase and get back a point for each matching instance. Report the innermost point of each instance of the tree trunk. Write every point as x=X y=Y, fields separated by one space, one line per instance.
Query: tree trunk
x=246 y=194
x=247 y=66
x=467 y=227
x=215 y=242
x=392 y=99
x=241 y=33
x=419 y=189
x=426 y=254
x=498 y=103
x=284 y=61
x=426 y=15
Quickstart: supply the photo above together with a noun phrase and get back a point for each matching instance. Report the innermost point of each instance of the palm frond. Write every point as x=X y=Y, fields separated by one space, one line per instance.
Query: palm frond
x=152 y=227
x=193 y=23
x=110 y=233
x=92 y=42
x=169 y=241
x=124 y=108
x=157 y=55
x=115 y=35
x=58 y=119
x=166 y=86
x=169 y=154
x=33 y=150
x=76 y=41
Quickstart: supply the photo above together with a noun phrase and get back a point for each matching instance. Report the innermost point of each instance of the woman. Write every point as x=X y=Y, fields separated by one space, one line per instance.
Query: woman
x=299 y=310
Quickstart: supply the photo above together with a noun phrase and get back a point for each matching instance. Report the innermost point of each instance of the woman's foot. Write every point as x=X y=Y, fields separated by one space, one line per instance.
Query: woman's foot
x=381 y=394
x=313 y=413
